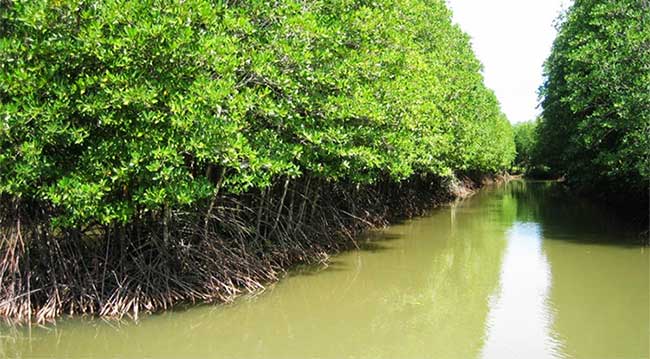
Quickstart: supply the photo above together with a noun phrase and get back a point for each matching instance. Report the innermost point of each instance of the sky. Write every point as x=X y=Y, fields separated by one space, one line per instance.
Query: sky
x=512 y=38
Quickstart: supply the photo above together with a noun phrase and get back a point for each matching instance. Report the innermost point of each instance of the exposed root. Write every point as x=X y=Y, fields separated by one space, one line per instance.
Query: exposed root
x=229 y=246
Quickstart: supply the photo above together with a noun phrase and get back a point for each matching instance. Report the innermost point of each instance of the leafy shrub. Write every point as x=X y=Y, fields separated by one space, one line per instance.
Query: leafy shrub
x=115 y=108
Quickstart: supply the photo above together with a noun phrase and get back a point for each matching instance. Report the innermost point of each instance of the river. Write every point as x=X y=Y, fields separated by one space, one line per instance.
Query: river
x=519 y=270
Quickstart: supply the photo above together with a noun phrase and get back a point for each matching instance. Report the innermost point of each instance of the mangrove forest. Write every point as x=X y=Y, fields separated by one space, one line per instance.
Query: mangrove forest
x=154 y=153
x=157 y=156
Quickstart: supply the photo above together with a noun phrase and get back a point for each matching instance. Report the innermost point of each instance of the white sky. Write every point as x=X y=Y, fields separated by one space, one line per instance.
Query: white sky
x=512 y=38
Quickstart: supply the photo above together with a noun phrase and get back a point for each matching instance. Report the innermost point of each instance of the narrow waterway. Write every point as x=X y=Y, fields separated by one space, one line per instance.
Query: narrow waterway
x=517 y=271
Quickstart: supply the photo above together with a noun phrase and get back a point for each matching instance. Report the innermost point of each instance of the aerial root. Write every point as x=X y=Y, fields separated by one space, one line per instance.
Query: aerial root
x=234 y=245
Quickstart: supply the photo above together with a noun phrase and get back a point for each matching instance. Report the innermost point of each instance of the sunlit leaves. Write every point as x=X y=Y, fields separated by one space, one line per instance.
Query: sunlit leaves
x=114 y=108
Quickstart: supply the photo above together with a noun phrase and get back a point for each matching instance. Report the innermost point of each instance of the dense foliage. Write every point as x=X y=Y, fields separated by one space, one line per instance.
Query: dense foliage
x=525 y=136
x=596 y=106
x=114 y=108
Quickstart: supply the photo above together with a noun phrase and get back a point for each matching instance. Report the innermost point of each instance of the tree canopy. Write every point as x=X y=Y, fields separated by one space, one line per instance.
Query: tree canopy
x=111 y=108
x=596 y=99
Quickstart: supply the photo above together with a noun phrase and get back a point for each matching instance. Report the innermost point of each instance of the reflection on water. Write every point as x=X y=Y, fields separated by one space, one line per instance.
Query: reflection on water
x=519 y=324
x=518 y=271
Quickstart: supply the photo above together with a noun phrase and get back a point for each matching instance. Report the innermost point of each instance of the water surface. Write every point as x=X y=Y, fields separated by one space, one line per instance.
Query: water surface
x=517 y=271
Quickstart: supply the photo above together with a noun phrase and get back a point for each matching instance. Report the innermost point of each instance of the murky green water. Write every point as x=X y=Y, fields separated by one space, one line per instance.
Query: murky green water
x=517 y=271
